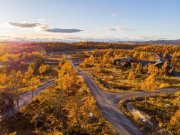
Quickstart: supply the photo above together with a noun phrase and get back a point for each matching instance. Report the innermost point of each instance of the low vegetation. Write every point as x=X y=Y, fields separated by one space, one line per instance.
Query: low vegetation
x=162 y=110
x=65 y=108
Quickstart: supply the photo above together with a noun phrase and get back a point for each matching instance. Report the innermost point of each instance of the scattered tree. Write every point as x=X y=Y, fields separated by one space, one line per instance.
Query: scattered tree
x=131 y=75
x=43 y=69
x=33 y=84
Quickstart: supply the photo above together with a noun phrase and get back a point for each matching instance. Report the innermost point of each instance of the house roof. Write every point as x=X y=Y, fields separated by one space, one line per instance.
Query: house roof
x=144 y=63
x=157 y=63
x=167 y=56
x=127 y=59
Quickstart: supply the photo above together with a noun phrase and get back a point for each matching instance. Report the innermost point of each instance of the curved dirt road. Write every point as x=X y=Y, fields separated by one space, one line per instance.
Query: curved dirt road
x=108 y=105
x=110 y=111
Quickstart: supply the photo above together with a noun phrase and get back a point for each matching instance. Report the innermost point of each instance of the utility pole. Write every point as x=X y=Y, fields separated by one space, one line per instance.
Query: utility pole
x=145 y=99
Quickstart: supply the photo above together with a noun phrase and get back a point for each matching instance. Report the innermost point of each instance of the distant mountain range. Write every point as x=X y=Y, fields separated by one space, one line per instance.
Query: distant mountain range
x=164 y=42
x=158 y=42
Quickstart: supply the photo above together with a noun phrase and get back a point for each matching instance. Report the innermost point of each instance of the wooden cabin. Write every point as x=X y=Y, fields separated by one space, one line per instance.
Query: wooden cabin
x=124 y=61
x=162 y=57
x=159 y=64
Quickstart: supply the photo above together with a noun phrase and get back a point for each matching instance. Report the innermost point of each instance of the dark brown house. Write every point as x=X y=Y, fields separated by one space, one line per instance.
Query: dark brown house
x=159 y=64
x=124 y=61
x=162 y=57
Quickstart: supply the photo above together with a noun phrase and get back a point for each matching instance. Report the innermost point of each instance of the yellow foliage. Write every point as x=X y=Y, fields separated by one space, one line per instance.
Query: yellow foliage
x=163 y=85
x=175 y=120
x=43 y=69
x=150 y=82
x=152 y=69
x=29 y=72
x=131 y=75
x=66 y=76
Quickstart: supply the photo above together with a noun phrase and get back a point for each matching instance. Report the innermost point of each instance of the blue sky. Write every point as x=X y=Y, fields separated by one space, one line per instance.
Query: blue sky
x=104 y=20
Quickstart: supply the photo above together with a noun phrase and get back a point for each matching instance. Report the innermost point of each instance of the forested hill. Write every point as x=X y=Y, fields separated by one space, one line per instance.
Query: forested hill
x=50 y=47
x=62 y=46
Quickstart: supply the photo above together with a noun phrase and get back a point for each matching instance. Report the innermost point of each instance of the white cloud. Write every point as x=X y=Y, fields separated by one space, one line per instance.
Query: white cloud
x=120 y=29
x=43 y=27
x=6 y=26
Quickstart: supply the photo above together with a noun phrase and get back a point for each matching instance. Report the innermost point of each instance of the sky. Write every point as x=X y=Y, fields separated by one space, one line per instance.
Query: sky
x=97 y=20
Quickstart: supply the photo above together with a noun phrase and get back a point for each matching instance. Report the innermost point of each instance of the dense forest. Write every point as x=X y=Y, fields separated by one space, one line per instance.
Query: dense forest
x=61 y=46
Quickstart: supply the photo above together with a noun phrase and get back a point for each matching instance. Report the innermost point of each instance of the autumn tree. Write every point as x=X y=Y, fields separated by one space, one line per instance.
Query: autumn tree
x=91 y=60
x=139 y=69
x=12 y=83
x=85 y=63
x=3 y=69
x=142 y=56
x=61 y=98
x=174 y=122
x=29 y=72
x=106 y=60
x=38 y=62
x=131 y=76
x=135 y=55
x=78 y=101
x=150 y=82
x=152 y=69
x=15 y=82
x=3 y=79
x=145 y=68
x=18 y=78
x=43 y=68
x=66 y=77
x=164 y=68
x=33 y=84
